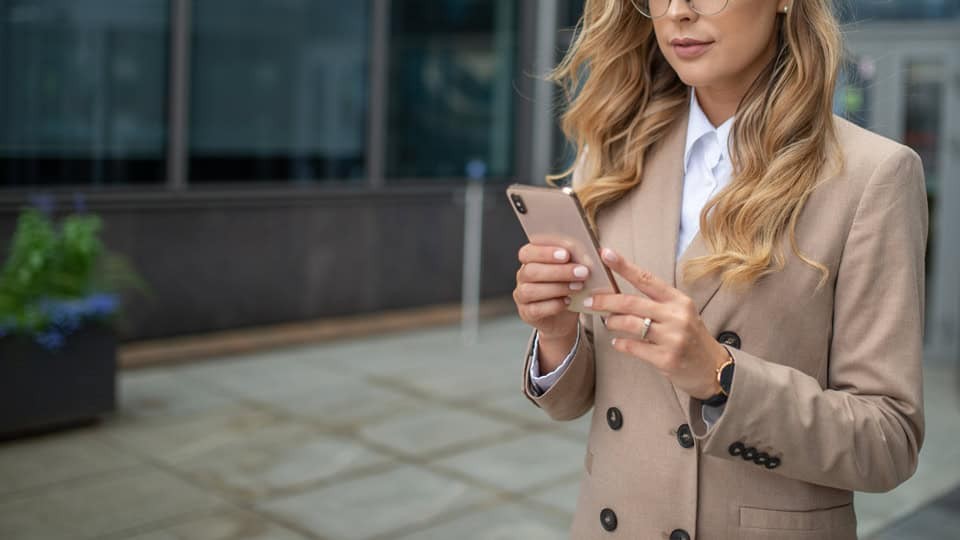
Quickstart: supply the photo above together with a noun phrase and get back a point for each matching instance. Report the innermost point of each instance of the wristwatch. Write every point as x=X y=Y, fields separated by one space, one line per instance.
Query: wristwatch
x=725 y=379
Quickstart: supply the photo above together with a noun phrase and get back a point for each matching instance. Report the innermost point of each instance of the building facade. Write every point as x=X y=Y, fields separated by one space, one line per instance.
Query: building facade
x=263 y=161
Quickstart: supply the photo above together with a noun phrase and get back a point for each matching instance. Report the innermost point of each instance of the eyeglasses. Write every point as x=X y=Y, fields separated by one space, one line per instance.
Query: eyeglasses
x=658 y=8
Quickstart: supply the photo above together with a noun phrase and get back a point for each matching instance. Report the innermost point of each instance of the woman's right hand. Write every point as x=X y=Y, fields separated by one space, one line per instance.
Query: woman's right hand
x=544 y=281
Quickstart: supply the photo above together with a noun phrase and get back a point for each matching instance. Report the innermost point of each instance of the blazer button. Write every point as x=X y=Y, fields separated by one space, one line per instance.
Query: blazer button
x=614 y=418
x=773 y=463
x=761 y=458
x=685 y=436
x=729 y=338
x=736 y=448
x=608 y=519
x=749 y=454
x=679 y=534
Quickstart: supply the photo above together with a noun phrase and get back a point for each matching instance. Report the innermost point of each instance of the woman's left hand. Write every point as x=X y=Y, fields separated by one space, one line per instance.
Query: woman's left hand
x=677 y=344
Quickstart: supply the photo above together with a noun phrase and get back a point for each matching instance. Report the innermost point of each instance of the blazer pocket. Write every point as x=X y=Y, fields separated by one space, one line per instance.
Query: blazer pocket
x=794 y=520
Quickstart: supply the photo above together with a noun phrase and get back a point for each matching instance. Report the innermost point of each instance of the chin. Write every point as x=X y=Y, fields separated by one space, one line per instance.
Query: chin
x=693 y=78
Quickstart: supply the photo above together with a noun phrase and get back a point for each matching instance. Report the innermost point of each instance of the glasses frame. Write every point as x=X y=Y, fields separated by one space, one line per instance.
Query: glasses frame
x=692 y=6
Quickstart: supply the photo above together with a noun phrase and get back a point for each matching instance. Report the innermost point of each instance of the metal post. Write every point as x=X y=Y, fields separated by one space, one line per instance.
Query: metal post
x=179 y=93
x=377 y=106
x=543 y=61
x=472 y=252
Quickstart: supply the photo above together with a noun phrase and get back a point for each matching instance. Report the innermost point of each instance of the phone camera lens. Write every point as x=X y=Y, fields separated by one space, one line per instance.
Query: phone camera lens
x=518 y=202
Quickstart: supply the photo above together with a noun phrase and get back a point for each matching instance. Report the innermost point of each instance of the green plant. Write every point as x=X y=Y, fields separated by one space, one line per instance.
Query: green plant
x=53 y=279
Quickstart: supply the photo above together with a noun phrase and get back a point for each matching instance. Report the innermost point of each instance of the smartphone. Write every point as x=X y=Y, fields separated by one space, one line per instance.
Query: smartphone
x=554 y=217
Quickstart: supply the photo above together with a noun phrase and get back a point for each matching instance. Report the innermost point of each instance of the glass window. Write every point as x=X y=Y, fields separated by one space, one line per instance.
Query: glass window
x=278 y=90
x=452 y=67
x=855 y=82
x=861 y=10
x=924 y=113
x=82 y=91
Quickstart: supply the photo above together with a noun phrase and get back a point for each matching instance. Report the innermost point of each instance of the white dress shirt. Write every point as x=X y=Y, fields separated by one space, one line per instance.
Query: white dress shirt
x=706 y=170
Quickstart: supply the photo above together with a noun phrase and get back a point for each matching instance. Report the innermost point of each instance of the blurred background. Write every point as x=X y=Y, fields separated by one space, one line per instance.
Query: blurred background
x=291 y=180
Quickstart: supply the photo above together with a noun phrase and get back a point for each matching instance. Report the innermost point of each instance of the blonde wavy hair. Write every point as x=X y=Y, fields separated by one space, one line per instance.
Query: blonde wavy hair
x=621 y=96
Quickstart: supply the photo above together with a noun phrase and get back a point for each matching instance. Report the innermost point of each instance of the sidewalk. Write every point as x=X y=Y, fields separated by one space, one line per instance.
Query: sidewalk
x=401 y=437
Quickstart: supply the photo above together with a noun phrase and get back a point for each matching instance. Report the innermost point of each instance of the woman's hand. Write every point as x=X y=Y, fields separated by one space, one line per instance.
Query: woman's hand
x=678 y=344
x=544 y=282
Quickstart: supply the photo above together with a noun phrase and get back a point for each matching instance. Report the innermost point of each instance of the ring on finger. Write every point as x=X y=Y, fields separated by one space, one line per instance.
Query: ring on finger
x=646 y=327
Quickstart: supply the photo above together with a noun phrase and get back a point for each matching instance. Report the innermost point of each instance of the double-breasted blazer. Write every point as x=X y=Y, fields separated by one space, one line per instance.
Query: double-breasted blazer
x=826 y=396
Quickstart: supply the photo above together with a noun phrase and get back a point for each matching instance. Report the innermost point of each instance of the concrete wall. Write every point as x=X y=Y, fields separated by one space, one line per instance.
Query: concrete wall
x=231 y=259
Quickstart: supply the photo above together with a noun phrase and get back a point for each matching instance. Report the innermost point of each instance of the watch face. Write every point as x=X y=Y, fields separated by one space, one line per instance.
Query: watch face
x=726 y=378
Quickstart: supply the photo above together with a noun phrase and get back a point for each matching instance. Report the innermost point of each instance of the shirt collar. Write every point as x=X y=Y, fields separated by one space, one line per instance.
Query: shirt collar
x=699 y=125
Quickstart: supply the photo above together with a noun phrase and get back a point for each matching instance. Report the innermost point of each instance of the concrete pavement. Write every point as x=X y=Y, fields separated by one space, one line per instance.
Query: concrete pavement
x=404 y=436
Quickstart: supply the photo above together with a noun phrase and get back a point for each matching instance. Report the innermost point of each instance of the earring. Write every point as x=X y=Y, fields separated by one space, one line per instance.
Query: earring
x=785 y=8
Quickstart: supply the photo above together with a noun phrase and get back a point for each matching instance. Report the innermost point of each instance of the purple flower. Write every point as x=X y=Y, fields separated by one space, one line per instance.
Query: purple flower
x=50 y=340
x=101 y=304
x=43 y=202
x=79 y=203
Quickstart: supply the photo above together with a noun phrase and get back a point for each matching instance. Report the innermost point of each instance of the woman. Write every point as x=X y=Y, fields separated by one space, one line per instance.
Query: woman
x=770 y=323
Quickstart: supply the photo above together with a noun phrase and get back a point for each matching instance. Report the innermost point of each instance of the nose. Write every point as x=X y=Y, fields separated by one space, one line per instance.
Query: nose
x=680 y=9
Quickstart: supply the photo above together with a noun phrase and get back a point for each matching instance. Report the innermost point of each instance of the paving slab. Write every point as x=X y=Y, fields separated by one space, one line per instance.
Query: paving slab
x=503 y=522
x=432 y=428
x=106 y=505
x=521 y=463
x=277 y=459
x=376 y=505
x=226 y=525
x=342 y=403
x=562 y=496
x=174 y=440
x=44 y=461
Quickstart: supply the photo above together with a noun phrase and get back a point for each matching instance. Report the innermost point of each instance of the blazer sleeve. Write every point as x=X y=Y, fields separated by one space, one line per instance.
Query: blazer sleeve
x=571 y=396
x=864 y=430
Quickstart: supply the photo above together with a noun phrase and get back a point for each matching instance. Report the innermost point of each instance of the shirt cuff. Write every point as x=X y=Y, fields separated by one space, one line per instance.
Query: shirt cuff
x=711 y=414
x=542 y=383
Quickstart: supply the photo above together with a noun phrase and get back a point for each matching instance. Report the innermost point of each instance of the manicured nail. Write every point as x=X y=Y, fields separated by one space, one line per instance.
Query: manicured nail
x=576 y=285
x=581 y=271
x=609 y=255
x=566 y=300
x=588 y=302
x=560 y=254
x=613 y=342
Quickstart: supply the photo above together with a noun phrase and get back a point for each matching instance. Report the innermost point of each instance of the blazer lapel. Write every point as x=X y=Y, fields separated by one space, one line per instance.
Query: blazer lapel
x=655 y=208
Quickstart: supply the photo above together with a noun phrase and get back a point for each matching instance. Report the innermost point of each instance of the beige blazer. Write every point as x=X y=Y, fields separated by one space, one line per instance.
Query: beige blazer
x=827 y=392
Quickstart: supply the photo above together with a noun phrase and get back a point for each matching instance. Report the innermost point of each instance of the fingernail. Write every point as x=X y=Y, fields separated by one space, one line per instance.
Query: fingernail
x=609 y=255
x=604 y=321
x=613 y=342
x=566 y=300
x=560 y=254
x=581 y=271
x=576 y=285
x=588 y=302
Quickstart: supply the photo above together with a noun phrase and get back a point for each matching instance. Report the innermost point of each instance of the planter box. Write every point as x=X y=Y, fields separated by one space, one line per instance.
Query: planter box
x=42 y=390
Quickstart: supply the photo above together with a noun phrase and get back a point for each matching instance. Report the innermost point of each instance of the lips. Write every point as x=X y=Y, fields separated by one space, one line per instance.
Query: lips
x=688 y=48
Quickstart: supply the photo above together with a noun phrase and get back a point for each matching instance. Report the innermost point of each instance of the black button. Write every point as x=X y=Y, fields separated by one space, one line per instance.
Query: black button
x=685 y=436
x=761 y=458
x=679 y=534
x=749 y=454
x=773 y=463
x=614 y=418
x=737 y=448
x=729 y=338
x=608 y=519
